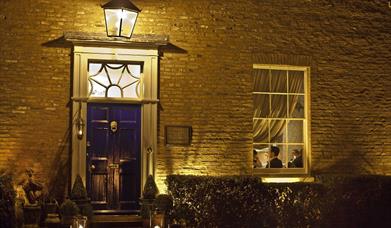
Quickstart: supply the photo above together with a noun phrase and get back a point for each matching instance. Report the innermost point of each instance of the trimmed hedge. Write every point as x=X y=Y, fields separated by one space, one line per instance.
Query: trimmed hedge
x=243 y=201
x=7 y=202
x=357 y=201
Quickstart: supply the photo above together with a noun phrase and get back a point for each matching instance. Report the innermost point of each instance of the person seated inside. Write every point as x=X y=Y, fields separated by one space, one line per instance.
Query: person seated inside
x=275 y=162
x=256 y=162
x=297 y=161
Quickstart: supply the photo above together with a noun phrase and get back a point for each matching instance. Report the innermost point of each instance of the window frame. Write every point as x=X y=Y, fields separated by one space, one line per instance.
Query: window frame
x=305 y=171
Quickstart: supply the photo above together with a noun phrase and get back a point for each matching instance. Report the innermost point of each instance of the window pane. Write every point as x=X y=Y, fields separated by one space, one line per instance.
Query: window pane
x=277 y=131
x=100 y=77
x=261 y=81
x=114 y=91
x=296 y=106
x=261 y=131
x=278 y=81
x=296 y=155
x=278 y=106
x=132 y=90
x=96 y=90
x=128 y=20
x=115 y=71
x=134 y=70
x=261 y=105
x=296 y=81
x=94 y=68
x=295 y=131
x=113 y=20
x=122 y=80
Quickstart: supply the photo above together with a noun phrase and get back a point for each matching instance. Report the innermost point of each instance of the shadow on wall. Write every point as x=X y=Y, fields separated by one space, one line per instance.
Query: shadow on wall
x=61 y=167
x=57 y=169
x=210 y=146
x=348 y=154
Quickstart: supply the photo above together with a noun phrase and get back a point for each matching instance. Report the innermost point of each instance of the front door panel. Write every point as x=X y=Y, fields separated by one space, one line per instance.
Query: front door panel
x=113 y=147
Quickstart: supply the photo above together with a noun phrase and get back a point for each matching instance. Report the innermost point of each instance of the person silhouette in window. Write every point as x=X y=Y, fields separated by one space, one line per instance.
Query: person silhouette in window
x=297 y=161
x=275 y=162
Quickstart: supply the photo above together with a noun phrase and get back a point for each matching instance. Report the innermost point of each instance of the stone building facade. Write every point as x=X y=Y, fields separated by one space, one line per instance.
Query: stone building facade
x=207 y=84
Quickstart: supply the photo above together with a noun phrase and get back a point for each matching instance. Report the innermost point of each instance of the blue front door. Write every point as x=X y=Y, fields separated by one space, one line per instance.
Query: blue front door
x=113 y=156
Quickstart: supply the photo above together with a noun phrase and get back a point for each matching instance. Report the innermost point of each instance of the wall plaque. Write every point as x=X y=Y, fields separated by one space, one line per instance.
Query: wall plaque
x=178 y=135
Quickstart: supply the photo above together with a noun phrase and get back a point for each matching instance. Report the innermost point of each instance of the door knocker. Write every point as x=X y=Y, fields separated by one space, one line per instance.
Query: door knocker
x=114 y=126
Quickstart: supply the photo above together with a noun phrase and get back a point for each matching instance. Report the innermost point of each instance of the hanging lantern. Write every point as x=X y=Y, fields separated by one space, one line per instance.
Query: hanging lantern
x=120 y=18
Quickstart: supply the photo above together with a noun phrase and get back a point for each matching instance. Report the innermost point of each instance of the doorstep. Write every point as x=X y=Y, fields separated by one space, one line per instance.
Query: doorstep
x=107 y=221
x=116 y=221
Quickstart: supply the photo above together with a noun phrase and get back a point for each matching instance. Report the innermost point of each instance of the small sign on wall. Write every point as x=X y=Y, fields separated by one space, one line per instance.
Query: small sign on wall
x=177 y=135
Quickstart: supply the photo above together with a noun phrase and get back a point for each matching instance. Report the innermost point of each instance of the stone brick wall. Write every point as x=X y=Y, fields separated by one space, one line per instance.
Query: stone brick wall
x=346 y=43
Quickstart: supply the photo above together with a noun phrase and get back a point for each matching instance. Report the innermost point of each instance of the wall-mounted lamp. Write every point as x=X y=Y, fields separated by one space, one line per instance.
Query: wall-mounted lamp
x=80 y=124
x=80 y=128
x=120 y=18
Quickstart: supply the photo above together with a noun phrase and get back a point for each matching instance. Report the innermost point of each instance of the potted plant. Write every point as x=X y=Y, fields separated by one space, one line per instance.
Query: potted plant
x=150 y=189
x=147 y=202
x=163 y=205
x=78 y=192
x=68 y=211
x=80 y=197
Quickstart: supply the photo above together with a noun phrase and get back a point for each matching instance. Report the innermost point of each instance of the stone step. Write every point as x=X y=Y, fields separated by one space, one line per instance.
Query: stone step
x=116 y=221
x=104 y=221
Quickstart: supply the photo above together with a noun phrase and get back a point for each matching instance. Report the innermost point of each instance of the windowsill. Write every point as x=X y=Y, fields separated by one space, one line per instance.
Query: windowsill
x=277 y=175
x=287 y=179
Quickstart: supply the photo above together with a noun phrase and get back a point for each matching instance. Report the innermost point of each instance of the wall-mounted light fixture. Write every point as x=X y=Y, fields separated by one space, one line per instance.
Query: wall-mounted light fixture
x=80 y=124
x=80 y=128
x=120 y=18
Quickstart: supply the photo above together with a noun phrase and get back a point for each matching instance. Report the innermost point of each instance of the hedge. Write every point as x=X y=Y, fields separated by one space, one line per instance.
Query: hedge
x=243 y=201
x=7 y=202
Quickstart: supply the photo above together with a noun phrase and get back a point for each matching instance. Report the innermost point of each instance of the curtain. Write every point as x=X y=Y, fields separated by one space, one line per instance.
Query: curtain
x=279 y=102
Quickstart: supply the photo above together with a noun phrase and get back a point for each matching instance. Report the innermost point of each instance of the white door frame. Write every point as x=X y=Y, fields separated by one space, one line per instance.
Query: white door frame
x=148 y=100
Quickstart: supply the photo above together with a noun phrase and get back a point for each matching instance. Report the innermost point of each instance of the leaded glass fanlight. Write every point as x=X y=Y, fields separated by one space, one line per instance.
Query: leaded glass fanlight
x=114 y=80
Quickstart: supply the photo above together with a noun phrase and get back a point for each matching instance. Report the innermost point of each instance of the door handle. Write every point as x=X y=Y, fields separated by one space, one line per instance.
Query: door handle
x=113 y=126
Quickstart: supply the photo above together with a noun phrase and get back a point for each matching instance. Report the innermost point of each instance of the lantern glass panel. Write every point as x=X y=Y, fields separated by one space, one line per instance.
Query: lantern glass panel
x=113 y=21
x=128 y=21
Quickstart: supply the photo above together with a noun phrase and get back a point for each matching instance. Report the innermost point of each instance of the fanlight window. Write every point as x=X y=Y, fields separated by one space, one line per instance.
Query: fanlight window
x=114 y=80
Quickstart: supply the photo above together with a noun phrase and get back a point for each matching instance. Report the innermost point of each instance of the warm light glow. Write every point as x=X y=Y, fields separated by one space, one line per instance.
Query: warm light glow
x=120 y=17
x=113 y=21
x=286 y=179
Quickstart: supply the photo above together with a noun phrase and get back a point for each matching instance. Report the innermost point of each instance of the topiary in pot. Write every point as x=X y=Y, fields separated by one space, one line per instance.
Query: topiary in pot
x=79 y=196
x=147 y=202
x=68 y=211
x=78 y=192
x=150 y=189
x=163 y=203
